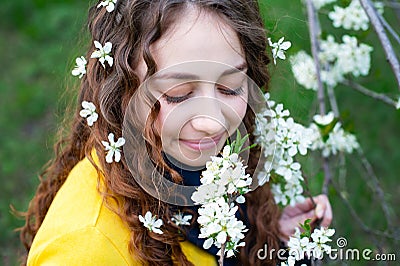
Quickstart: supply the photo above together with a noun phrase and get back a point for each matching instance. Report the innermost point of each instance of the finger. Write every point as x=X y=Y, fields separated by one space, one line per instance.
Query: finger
x=327 y=216
x=321 y=202
x=300 y=208
x=323 y=210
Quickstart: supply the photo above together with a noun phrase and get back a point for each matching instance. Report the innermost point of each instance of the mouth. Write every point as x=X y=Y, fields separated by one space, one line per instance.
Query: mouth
x=205 y=143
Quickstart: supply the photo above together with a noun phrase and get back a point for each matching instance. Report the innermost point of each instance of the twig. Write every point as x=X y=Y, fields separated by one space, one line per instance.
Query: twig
x=387 y=47
x=307 y=190
x=377 y=96
x=376 y=187
x=396 y=8
x=333 y=101
x=314 y=29
x=357 y=218
x=389 y=28
x=222 y=256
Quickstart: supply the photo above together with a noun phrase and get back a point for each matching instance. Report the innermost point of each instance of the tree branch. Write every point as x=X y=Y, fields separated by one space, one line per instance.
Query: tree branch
x=389 y=28
x=378 y=191
x=357 y=218
x=387 y=47
x=396 y=8
x=377 y=96
x=333 y=101
x=315 y=30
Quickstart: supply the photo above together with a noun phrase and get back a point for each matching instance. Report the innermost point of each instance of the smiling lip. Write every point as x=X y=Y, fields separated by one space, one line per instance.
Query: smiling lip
x=205 y=143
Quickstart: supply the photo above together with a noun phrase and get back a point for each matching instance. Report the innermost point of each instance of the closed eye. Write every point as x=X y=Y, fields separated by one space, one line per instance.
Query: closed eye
x=223 y=90
x=176 y=99
x=230 y=92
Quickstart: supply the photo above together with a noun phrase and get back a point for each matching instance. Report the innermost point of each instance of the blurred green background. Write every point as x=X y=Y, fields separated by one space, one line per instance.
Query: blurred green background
x=39 y=42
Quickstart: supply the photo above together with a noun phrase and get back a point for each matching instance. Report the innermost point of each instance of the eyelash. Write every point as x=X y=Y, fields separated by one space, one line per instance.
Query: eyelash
x=228 y=92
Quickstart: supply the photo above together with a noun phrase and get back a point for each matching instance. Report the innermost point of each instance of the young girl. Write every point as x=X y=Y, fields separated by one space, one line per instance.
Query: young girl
x=177 y=72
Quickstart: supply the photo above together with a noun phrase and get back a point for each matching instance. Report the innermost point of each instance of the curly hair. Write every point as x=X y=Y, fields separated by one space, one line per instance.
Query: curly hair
x=132 y=28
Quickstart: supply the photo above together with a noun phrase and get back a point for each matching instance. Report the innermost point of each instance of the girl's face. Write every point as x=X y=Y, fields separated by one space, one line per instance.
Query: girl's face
x=201 y=86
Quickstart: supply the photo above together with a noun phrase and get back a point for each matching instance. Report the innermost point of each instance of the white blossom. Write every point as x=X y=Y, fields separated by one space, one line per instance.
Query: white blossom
x=109 y=4
x=340 y=141
x=222 y=183
x=324 y=120
x=322 y=235
x=281 y=138
x=113 y=148
x=315 y=247
x=298 y=245
x=80 y=67
x=320 y=239
x=287 y=168
x=337 y=60
x=398 y=104
x=279 y=195
x=89 y=112
x=353 y=57
x=352 y=17
x=304 y=70
x=180 y=219
x=279 y=48
x=151 y=222
x=337 y=141
x=103 y=53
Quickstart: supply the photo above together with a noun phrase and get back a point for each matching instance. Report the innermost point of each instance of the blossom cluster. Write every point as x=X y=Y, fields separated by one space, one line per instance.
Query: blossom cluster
x=335 y=140
x=352 y=17
x=222 y=183
x=281 y=139
x=337 y=60
x=314 y=245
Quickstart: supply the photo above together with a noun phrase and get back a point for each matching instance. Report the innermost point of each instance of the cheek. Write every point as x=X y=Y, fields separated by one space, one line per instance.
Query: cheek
x=160 y=121
x=236 y=111
x=241 y=109
x=166 y=123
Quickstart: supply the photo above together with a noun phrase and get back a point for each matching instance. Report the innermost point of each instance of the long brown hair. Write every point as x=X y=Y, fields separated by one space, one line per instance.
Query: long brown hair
x=132 y=27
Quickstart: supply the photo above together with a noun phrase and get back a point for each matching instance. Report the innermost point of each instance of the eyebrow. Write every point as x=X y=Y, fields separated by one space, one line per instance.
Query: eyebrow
x=178 y=75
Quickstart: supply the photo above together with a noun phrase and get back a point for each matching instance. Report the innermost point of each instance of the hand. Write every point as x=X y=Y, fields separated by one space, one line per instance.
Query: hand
x=292 y=216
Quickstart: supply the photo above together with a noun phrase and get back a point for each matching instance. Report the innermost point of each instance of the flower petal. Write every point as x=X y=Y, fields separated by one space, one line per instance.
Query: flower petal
x=109 y=156
x=120 y=142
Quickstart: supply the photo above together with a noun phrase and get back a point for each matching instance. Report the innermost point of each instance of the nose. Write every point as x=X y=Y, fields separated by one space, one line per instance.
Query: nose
x=208 y=109
x=208 y=124
x=209 y=117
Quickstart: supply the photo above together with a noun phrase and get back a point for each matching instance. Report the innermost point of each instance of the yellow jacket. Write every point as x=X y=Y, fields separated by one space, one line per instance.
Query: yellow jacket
x=80 y=230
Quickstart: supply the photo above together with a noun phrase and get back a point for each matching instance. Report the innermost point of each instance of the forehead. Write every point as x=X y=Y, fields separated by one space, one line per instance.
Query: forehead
x=198 y=35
